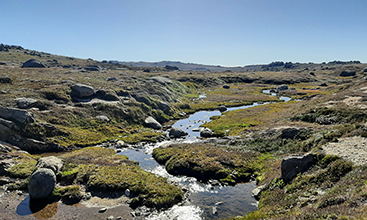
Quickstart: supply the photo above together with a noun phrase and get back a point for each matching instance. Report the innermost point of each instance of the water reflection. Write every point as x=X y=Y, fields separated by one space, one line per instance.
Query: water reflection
x=37 y=208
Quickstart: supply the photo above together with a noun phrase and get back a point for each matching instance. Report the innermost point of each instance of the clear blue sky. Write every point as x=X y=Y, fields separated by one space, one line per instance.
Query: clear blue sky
x=219 y=32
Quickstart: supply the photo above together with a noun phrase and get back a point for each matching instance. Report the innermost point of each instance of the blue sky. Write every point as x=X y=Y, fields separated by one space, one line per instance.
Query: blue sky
x=218 y=32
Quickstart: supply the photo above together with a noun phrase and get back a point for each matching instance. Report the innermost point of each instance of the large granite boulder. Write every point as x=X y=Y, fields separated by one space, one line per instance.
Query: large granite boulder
x=151 y=122
x=33 y=63
x=289 y=133
x=17 y=115
x=25 y=103
x=41 y=183
x=282 y=87
x=206 y=132
x=295 y=164
x=347 y=73
x=81 y=91
x=177 y=133
x=53 y=163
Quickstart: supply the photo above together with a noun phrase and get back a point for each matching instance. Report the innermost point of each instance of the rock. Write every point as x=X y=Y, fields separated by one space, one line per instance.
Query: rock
x=289 y=133
x=5 y=79
x=161 y=80
x=82 y=91
x=102 y=210
x=206 y=132
x=6 y=149
x=197 y=129
x=127 y=193
x=292 y=88
x=151 y=122
x=282 y=87
x=41 y=183
x=35 y=146
x=347 y=73
x=5 y=180
x=17 y=115
x=182 y=114
x=146 y=71
x=177 y=133
x=323 y=84
x=33 y=63
x=53 y=163
x=25 y=102
x=108 y=95
x=119 y=218
x=103 y=118
x=113 y=79
x=2 y=64
x=5 y=164
x=110 y=217
x=226 y=87
x=215 y=211
x=93 y=68
x=295 y=164
x=365 y=70
x=312 y=73
x=222 y=108
x=257 y=192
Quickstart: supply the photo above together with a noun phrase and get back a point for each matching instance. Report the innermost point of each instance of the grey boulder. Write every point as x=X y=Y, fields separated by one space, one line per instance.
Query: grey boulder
x=347 y=73
x=103 y=118
x=151 y=122
x=17 y=115
x=282 y=87
x=82 y=91
x=295 y=164
x=33 y=63
x=93 y=68
x=53 y=163
x=206 y=132
x=25 y=102
x=41 y=183
x=222 y=108
x=289 y=133
x=5 y=79
x=177 y=133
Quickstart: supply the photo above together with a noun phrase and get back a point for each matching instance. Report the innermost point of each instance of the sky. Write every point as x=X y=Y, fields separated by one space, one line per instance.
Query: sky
x=215 y=32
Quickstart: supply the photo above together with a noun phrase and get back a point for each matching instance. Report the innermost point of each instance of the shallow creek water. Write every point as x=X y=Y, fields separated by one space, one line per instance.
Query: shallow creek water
x=205 y=201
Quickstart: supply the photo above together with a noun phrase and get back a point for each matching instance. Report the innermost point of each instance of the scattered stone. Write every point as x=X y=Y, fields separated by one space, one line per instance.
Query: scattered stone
x=323 y=84
x=197 y=129
x=53 y=163
x=119 y=218
x=312 y=73
x=206 y=132
x=102 y=210
x=33 y=63
x=93 y=68
x=5 y=79
x=103 y=118
x=110 y=217
x=151 y=122
x=365 y=70
x=295 y=164
x=25 y=103
x=111 y=79
x=215 y=211
x=21 y=116
x=218 y=203
x=289 y=133
x=2 y=64
x=5 y=180
x=347 y=73
x=226 y=87
x=282 y=87
x=146 y=71
x=182 y=114
x=257 y=192
x=82 y=91
x=177 y=133
x=292 y=88
x=127 y=193
x=41 y=183
x=222 y=108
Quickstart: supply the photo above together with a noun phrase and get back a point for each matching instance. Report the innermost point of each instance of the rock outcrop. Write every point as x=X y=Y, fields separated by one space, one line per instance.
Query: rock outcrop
x=295 y=164
x=82 y=91
x=25 y=103
x=206 y=132
x=41 y=183
x=347 y=73
x=177 y=133
x=5 y=79
x=151 y=122
x=53 y=163
x=17 y=115
x=33 y=63
x=282 y=87
x=289 y=133
x=222 y=108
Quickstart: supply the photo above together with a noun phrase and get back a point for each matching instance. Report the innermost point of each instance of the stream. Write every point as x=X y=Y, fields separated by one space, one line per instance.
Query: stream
x=206 y=201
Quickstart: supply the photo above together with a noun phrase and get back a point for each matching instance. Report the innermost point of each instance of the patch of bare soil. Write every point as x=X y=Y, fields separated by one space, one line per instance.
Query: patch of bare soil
x=350 y=148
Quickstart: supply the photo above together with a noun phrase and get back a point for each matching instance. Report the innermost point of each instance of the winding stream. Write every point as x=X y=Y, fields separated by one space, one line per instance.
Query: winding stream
x=206 y=201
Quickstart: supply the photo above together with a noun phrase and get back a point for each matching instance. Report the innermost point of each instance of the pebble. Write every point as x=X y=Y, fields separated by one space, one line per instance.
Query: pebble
x=102 y=210
x=127 y=193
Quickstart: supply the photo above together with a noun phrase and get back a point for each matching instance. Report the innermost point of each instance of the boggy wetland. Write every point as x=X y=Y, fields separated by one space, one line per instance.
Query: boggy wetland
x=83 y=139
